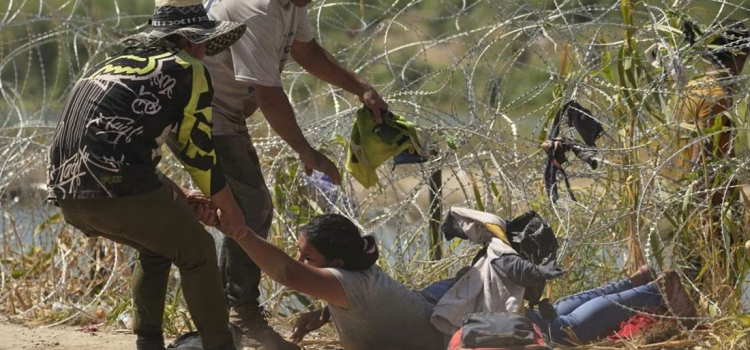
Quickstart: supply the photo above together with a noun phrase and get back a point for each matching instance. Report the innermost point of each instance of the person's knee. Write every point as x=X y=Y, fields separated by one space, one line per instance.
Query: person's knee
x=196 y=251
x=147 y=257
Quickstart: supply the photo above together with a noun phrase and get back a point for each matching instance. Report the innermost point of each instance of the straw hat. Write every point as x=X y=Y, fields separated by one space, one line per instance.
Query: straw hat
x=187 y=18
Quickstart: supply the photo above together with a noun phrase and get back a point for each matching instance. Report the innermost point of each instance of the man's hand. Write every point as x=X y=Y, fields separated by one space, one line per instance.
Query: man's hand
x=321 y=64
x=374 y=102
x=206 y=215
x=232 y=223
x=314 y=160
x=307 y=323
x=202 y=208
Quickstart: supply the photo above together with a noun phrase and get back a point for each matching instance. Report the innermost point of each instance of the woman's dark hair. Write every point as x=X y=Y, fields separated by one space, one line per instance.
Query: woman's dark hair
x=733 y=36
x=336 y=237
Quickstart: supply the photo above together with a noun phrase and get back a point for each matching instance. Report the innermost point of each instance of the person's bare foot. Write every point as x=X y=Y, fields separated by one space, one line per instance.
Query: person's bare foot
x=645 y=274
x=677 y=299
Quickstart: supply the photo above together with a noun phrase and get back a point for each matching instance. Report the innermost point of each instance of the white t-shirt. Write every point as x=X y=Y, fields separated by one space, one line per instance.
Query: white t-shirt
x=383 y=314
x=256 y=58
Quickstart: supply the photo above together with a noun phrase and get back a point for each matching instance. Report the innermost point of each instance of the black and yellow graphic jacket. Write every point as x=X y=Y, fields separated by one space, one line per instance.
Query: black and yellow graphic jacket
x=108 y=141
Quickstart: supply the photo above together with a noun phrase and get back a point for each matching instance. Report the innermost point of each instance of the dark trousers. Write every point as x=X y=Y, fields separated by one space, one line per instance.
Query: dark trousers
x=241 y=166
x=164 y=230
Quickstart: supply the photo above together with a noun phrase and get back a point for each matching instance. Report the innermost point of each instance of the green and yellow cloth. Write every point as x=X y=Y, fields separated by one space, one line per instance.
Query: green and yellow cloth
x=371 y=144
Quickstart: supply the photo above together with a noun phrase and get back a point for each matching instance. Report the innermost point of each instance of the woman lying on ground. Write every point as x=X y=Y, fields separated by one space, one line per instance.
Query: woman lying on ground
x=370 y=310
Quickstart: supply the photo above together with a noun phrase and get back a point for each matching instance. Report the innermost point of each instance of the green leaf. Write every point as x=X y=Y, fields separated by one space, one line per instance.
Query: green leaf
x=738 y=115
x=451 y=141
x=629 y=68
x=657 y=247
x=548 y=118
x=668 y=29
x=744 y=319
x=621 y=67
x=627 y=62
x=495 y=191
x=625 y=9
x=46 y=223
x=713 y=310
x=294 y=209
x=477 y=194
x=606 y=62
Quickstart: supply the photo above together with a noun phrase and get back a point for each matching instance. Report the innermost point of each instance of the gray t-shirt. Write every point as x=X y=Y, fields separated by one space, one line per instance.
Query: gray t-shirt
x=255 y=59
x=383 y=314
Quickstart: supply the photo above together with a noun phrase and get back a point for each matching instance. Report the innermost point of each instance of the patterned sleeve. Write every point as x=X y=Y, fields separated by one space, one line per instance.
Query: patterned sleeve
x=194 y=134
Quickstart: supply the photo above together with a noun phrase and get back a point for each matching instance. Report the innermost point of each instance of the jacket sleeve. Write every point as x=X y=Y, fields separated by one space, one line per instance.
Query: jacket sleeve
x=195 y=136
x=518 y=270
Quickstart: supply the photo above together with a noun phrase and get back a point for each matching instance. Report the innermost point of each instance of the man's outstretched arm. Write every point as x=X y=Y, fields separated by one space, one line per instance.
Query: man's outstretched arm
x=321 y=64
x=277 y=110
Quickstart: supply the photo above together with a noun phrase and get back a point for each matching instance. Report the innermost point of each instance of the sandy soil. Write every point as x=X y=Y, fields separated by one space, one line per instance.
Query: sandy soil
x=17 y=337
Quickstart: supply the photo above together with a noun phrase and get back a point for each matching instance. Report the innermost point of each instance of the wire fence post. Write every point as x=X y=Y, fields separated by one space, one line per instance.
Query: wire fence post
x=436 y=213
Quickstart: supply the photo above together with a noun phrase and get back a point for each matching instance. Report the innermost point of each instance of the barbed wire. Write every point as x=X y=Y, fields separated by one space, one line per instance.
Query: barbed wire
x=483 y=79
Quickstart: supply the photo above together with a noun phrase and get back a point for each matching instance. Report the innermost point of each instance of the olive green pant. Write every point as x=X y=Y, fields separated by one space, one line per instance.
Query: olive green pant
x=164 y=231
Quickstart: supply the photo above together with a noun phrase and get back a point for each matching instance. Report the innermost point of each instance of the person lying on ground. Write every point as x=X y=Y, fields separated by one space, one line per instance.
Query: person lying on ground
x=517 y=258
x=102 y=169
x=370 y=310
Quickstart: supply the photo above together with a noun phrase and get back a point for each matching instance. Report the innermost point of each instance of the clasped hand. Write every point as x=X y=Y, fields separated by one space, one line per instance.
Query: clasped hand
x=231 y=222
x=202 y=207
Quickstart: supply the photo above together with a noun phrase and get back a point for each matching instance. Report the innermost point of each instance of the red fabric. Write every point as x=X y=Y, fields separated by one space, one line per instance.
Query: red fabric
x=635 y=324
x=632 y=326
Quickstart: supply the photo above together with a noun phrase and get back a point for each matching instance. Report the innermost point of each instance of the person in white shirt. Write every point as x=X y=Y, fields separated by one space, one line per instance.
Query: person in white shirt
x=247 y=77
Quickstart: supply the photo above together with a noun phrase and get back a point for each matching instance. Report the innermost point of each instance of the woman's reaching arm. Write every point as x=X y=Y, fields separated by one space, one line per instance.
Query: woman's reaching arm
x=280 y=267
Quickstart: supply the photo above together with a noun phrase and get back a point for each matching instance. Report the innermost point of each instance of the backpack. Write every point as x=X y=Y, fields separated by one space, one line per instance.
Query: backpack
x=498 y=331
x=532 y=237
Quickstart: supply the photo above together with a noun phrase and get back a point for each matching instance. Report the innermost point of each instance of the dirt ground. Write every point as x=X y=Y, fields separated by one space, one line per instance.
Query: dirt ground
x=17 y=337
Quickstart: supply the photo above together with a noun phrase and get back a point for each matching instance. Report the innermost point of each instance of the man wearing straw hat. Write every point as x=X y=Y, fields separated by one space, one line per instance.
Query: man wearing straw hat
x=102 y=170
x=248 y=77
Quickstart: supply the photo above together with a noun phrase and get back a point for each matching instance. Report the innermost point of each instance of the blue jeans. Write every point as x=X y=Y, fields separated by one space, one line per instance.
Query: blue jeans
x=590 y=314
x=593 y=313
x=435 y=291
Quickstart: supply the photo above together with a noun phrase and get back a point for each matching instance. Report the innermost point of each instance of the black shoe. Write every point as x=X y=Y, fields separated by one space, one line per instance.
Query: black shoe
x=149 y=343
x=192 y=340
